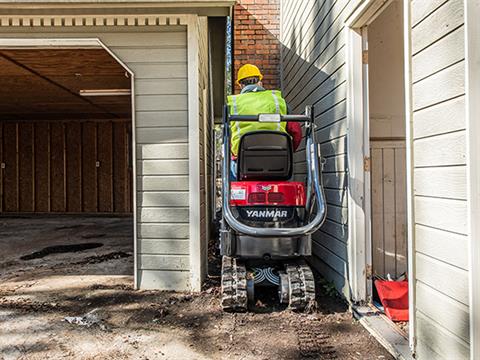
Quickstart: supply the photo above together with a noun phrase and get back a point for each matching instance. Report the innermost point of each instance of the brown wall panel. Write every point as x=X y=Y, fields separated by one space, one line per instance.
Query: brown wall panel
x=120 y=167
x=66 y=166
x=89 y=169
x=73 y=136
x=25 y=164
x=105 y=171
x=11 y=170
x=1 y=167
x=42 y=166
x=130 y=163
x=57 y=163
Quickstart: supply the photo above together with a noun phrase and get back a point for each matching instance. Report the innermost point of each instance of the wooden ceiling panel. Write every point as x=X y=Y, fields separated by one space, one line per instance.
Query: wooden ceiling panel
x=43 y=82
x=92 y=82
x=68 y=62
x=7 y=68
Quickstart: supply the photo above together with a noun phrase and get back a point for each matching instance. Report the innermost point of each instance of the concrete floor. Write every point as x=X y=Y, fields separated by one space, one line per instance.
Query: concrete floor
x=23 y=236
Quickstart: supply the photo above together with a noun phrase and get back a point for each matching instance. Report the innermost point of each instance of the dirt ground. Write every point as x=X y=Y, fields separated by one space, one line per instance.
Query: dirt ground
x=44 y=300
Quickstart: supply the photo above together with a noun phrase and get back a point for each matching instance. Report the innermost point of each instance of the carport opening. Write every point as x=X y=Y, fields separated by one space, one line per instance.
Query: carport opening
x=66 y=180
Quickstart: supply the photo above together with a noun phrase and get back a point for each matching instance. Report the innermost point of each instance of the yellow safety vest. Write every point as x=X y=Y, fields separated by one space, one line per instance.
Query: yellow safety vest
x=254 y=103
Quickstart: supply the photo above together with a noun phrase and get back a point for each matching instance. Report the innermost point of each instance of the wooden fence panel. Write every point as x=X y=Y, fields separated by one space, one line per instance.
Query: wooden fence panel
x=389 y=197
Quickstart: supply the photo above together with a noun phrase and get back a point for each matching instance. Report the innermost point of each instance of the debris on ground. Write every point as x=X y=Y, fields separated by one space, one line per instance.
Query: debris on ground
x=89 y=319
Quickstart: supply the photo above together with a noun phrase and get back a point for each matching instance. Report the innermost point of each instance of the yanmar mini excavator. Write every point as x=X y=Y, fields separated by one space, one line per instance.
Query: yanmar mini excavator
x=267 y=219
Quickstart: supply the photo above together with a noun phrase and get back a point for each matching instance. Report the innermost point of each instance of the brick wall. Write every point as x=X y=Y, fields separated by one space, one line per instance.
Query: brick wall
x=256 y=25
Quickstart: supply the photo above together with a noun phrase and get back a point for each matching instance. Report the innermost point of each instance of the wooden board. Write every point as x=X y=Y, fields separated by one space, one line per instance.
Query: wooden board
x=42 y=167
x=73 y=166
x=105 y=167
x=57 y=160
x=26 y=166
x=89 y=169
x=389 y=215
x=11 y=167
x=388 y=198
x=378 y=246
x=120 y=167
x=1 y=168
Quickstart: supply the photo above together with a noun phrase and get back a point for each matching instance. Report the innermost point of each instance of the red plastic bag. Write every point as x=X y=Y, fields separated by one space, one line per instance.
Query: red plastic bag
x=394 y=298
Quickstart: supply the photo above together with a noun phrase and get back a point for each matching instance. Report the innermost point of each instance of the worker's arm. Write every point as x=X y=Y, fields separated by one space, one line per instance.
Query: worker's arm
x=295 y=130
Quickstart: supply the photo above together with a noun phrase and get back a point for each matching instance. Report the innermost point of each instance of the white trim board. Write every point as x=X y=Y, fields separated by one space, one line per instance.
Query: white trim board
x=194 y=155
x=407 y=39
x=67 y=20
x=472 y=77
x=356 y=175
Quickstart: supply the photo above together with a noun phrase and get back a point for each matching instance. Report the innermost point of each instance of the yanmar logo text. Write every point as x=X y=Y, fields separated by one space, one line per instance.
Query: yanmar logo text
x=267 y=213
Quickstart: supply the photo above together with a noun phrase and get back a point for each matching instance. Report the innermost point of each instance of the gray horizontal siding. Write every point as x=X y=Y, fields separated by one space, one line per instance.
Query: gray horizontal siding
x=162 y=151
x=158 y=57
x=164 y=279
x=167 y=199
x=440 y=180
x=162 y=135
x=437 y=24
x=163 y=167
x=159 y=119
x=314 y=73
x=432 y=335
x=163 y=262
x=164 y=246
x=163 y=215
x=163 y=231
x=162 y=183
x=446 y=117
x=151 y=86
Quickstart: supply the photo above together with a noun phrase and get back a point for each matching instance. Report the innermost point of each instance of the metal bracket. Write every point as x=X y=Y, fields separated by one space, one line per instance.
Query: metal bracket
x=369 y=271
x=226 y=242
x=365 y=57
x=366 y=163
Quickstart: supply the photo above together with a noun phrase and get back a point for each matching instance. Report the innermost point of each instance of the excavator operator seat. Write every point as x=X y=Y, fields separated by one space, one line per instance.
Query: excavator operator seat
x=265 y=155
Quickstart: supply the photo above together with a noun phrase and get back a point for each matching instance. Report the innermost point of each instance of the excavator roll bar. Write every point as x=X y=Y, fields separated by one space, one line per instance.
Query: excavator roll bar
x=313 y=177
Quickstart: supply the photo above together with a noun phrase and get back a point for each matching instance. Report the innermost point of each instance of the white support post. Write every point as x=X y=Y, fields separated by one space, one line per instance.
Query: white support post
x=472 y=77
x=356 y=177
x=407 y=39
x=194 y=155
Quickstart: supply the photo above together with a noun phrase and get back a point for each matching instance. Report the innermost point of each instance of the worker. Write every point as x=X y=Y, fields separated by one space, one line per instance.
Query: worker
x=253 y=100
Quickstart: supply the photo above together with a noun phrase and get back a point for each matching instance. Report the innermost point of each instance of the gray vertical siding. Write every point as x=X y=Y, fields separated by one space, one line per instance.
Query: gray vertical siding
x=158 y=57
x=441 y=241
x=314 y=73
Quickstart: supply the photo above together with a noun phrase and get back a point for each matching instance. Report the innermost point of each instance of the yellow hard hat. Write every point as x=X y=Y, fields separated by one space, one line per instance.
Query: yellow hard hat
x=248 y=70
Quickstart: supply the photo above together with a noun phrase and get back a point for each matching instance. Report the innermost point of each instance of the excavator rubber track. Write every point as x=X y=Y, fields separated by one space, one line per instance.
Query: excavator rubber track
x=234 y=285
x=301 y=284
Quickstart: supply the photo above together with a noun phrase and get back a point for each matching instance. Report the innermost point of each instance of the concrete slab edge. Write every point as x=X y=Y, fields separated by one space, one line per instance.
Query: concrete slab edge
x=384 y=332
